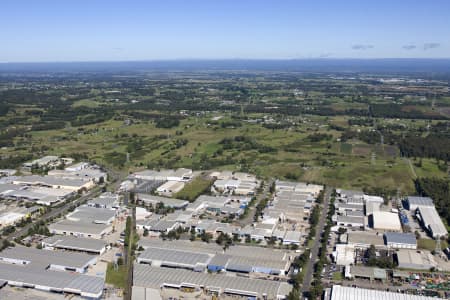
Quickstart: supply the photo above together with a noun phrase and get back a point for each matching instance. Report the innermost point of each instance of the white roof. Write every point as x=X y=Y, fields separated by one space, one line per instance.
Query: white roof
x=348 y=293
x=432 y=219
x=386 y=221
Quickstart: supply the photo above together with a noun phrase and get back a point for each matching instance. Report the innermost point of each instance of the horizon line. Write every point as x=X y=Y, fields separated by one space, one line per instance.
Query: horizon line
x=226 y=59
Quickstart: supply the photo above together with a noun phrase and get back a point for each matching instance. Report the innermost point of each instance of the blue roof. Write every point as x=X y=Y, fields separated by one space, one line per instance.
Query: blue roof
x=401 y=238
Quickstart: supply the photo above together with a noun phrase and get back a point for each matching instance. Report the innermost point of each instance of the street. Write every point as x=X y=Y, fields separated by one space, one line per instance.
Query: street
x=315 y=248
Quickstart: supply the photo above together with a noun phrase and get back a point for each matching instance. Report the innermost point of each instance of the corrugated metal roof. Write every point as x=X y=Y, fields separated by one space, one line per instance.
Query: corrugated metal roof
x=400 y=238
x=47 y=257
x=174 y=257
x=348 y=293
x=75 y=243
x=422 y=201
x=147 y=276
x=52 y=279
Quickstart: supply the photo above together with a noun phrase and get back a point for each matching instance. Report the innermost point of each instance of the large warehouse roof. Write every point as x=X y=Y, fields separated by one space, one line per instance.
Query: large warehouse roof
x=44 y=258
x=174 y=257
x=348 y=293
x=147 y=276
x=420 y=201
x=400 y=238
x=433 y=221
x=386 y=221
x=75 y=243
x=87 y=286
x=78 y=227
x=170 y=202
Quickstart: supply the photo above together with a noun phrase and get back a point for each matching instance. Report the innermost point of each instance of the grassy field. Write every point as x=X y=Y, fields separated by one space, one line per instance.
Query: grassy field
x=194 y=189
x=337 y=276
x=118 y=277
x=430 y=245
x=295 y=157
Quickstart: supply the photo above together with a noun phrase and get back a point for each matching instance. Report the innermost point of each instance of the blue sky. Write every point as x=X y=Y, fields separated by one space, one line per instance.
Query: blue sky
x=99 y=30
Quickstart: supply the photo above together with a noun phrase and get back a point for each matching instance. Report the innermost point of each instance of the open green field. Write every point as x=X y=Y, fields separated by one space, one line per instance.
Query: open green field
x=118 y=277
x=197 y=144
x=194 y=189
x=430 y=245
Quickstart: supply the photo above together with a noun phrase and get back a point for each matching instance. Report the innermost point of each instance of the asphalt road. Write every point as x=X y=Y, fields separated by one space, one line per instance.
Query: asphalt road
x=315 y=248
x=129 y=258
x=248 y=219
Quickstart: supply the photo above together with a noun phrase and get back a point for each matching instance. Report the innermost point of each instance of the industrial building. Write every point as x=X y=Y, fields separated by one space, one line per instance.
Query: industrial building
x=351 y=221
x=92 y=215
x=431 y=221
x=199 y=256
x=413 y=259
x=398 y=240
x=363 y=240
x=369 y=273
x=52 y=281
x=105 y=200
x=54 y=182
x=166 y=257
x=152 y=200
x=169 y=188
x=338 y=292
x=180 y=174
x=414 y=202
x=344 y=255
x=80 y=229
x=386 y=221
x=71 y=243
x=52 y=260
x=157 y=278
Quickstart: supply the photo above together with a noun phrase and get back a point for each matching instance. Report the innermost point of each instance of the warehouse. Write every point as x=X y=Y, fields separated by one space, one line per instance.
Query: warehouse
x=54 y=182
x=349 y=221
x=242 y=259
x=52 y=281
x=369 y=273
x=170 y=188
x=105 y=200
x=218 y=263
x=156 y=278
x=292 y=238
x=431 y=221
x=88 y=245
x=92 y=215
x=53 y=260
x=386 y=221
x=414 y=202
x=167 y=257
x=399 y=240
x=345 y=293
x=164 y=175
x=417 y=260
x=363 y=240
x=344 y=255
x=148 y=199
x=80 y=229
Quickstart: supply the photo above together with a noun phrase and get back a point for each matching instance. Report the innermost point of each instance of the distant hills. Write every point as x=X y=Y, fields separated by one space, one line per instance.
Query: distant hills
x=441 y=66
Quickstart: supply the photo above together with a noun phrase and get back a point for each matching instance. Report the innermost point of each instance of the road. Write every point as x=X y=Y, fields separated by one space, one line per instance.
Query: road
x=248 y=219
x=129 y=257
x=315 y=248
x=408 y=161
